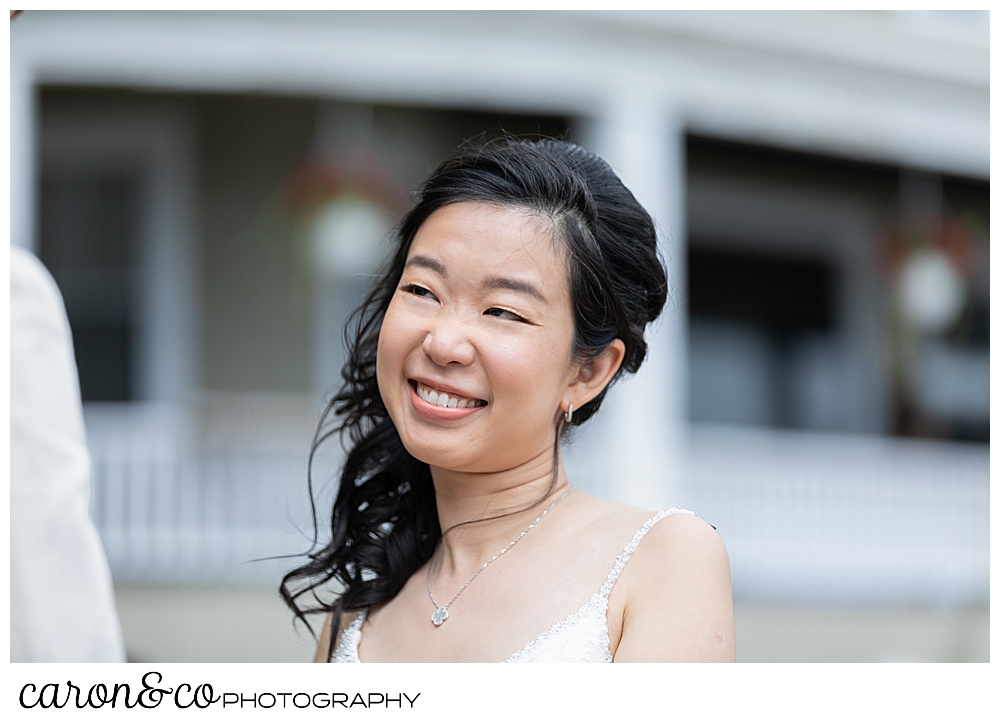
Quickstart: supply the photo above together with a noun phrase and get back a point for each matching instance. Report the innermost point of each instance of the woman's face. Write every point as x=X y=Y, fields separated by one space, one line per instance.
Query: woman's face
x=483 y=316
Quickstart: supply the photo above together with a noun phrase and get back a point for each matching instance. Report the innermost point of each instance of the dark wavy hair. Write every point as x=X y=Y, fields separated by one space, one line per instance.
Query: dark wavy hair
x=384 y=524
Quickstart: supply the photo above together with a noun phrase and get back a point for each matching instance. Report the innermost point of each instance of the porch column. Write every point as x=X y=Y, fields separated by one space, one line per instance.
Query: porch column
x=639 y=432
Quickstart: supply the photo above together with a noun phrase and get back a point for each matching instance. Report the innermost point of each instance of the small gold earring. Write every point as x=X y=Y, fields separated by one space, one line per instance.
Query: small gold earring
x=568 y=415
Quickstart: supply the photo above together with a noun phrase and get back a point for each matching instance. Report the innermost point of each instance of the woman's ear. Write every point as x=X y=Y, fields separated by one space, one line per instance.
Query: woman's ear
x=594 y=375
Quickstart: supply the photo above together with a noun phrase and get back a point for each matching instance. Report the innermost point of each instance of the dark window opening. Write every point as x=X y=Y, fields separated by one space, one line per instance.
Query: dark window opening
x=783 y=295
x=756 y=320
x=87 y=231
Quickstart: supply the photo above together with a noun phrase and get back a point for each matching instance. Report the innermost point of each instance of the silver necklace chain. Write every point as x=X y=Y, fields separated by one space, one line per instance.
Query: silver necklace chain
x=441 y=613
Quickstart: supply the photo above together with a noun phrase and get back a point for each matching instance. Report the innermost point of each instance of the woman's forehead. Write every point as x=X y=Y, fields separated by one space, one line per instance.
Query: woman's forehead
x=489 y=238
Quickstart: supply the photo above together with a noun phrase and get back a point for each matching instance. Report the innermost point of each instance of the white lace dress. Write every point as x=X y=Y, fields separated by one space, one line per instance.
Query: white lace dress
x=582 y=637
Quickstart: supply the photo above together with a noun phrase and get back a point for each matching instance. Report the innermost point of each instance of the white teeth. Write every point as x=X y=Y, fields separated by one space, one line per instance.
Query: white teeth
x=441 y=399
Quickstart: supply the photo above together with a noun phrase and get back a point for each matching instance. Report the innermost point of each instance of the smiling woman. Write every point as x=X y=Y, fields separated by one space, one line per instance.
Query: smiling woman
x=519 y=290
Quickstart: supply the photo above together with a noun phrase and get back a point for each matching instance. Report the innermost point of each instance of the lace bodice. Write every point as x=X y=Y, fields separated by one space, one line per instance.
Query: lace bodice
x=581 y=637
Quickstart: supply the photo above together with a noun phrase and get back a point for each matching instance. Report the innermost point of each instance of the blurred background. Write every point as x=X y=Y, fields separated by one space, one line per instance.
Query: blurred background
x=212 y=190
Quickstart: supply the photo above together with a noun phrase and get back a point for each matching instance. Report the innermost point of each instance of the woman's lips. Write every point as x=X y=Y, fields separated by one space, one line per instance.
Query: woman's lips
x=427 y=401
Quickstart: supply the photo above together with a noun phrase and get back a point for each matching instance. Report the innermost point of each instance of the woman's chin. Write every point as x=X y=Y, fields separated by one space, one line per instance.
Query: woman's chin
x=453 y=454
x=449 y=457
x=470 y=457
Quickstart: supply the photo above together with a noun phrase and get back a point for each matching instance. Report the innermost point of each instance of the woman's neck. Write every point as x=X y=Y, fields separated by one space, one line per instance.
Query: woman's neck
x=514 y=497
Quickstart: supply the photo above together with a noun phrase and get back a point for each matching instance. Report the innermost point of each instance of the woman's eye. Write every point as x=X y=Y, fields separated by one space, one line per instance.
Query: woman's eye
x=417 y=291
x=503 y=314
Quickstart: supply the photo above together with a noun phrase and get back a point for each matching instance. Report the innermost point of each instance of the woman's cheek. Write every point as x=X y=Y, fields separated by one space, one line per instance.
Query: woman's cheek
x=528 y=371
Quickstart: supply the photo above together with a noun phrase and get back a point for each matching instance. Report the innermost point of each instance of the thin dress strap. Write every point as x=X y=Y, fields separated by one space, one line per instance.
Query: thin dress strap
x=632 y=544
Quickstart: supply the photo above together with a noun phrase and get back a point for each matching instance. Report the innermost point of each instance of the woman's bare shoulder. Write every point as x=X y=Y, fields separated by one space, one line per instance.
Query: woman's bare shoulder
x=679 y=550
x=683 y=533
x=677 y=595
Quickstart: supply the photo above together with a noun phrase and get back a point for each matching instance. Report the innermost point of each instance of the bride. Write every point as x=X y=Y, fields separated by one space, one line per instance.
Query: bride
x=520 y=289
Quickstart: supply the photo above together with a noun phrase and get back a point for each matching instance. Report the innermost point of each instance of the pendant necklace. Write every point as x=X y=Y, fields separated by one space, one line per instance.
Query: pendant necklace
x=441 y=614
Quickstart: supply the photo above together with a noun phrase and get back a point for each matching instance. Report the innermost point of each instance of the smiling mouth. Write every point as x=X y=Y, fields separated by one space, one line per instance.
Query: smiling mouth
x=443 y=399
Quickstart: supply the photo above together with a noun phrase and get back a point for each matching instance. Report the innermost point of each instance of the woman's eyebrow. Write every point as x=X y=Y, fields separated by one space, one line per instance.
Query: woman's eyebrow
x=491 y=282
x=504 y=282
x=427 y=263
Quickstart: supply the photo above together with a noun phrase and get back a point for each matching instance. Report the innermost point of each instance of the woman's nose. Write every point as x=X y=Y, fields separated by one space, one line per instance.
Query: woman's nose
x=447 y=342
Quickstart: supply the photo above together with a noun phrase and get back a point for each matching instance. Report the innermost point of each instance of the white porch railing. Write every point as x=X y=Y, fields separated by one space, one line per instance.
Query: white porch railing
x=207 y=517
x=171 y=506
x=843 y=517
